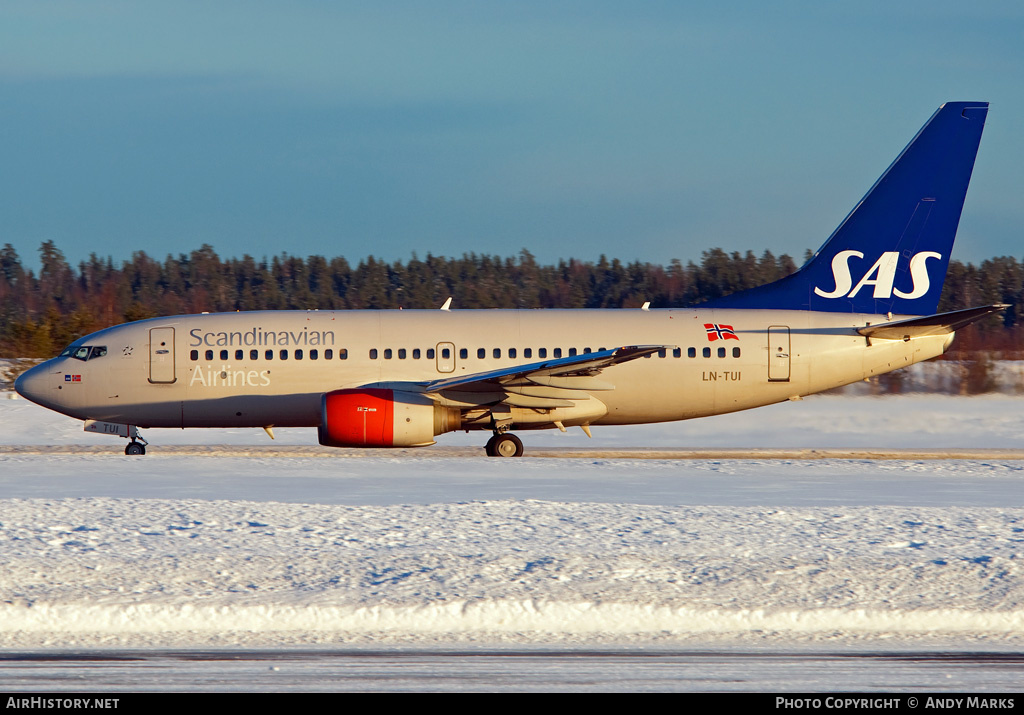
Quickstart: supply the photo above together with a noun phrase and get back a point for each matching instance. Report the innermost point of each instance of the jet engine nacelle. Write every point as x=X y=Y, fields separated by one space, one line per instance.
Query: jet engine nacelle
x=375 y=417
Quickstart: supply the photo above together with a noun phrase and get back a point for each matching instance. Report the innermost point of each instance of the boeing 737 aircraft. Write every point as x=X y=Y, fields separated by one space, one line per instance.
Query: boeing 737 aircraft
x=865 y=304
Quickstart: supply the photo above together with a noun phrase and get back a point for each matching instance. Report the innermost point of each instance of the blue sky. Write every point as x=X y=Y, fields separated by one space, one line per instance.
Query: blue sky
x=643 y=130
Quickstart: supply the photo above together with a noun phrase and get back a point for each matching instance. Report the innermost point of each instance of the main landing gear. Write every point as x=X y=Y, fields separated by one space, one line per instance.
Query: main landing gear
x=504 y=444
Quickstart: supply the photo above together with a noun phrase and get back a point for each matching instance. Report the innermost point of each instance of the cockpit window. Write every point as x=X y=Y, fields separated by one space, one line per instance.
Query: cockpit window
x=79 y=352
x=84 y=352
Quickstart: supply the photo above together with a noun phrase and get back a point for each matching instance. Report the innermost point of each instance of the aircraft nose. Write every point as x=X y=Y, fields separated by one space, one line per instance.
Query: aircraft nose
x=36 y=384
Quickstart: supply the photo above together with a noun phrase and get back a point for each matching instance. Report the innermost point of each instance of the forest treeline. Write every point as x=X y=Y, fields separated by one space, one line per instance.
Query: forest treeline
x=42 y=312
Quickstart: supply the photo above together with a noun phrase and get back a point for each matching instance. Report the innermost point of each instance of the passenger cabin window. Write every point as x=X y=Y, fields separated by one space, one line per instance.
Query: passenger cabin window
x=373 y=353
x=298 y=354
x=446 y=353
x=527 y=353
x=481 y=353
x=572 y=352
x=254 y=354
x=721 y=352
x=677 y=352
x=209 y=355
x=430 y=353
x=463 y=353
x=328 y=354
x=283 y=354
x=497 y=353
x=416 y=353
x=512 y=352
x=314 y=354
x=342 y=354
x=558 y=352
x=691 y=352
x=542 y=352
x=707 y=352
x=735 y=352
x=239 y=354
x=223 y=354
x=269 y=354
x=194 y=355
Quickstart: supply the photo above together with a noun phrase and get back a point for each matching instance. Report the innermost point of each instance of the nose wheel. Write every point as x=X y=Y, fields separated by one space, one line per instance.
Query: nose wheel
x=505 y=444
x=135 y=448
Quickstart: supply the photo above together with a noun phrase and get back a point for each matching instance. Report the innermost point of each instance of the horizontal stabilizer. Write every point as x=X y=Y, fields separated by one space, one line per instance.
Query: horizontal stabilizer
x=938 y=324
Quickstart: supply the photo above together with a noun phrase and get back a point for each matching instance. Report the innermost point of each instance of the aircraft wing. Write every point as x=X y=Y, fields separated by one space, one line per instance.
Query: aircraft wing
x=938 y=324
x=549 y=383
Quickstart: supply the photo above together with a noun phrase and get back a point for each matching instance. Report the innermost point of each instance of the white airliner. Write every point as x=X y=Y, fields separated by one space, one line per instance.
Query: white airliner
x=399 y=378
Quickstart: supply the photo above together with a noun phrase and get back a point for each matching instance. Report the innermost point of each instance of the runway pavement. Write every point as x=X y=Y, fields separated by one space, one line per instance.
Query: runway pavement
x=758 y=453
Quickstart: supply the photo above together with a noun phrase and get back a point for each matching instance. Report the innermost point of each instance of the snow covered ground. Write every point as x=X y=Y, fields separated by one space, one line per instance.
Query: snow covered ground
x=371 y=549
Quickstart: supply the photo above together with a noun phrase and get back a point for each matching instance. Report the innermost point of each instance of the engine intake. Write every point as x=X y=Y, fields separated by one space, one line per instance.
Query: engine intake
x=375 y=417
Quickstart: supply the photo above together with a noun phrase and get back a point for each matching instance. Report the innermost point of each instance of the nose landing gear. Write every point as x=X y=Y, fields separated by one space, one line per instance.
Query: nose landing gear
x=138 y=445
x=135 y=447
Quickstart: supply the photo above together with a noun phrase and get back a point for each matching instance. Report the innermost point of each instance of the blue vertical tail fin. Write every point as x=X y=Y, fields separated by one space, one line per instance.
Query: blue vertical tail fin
x=890 y=254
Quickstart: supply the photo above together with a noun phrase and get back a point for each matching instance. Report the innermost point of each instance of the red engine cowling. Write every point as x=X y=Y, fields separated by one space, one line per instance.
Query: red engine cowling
x=375 y=417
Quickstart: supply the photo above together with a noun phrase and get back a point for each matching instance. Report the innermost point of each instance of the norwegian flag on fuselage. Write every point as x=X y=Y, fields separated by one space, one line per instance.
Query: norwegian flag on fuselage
x=717 y=331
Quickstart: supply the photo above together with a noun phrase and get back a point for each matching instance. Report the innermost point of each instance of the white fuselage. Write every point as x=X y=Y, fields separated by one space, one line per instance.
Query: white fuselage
x=271 y=368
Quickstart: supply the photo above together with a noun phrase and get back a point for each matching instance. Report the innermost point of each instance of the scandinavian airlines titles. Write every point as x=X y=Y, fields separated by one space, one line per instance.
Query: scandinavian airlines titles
x=227 y=377
x=259 y=336
x=881 y=276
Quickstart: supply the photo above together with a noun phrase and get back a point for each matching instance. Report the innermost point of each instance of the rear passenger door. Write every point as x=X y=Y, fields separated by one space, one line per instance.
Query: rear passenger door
x=778 y=353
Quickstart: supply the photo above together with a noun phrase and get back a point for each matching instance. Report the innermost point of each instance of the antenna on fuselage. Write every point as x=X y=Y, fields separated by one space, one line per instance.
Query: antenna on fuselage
x=447 y=304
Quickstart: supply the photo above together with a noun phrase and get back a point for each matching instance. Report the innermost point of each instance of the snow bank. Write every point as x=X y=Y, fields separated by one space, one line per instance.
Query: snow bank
x=265 y=551
x=501 y=621
x=263 y=574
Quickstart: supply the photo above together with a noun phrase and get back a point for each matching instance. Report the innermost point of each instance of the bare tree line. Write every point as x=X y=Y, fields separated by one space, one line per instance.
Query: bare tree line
x=42 y=312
